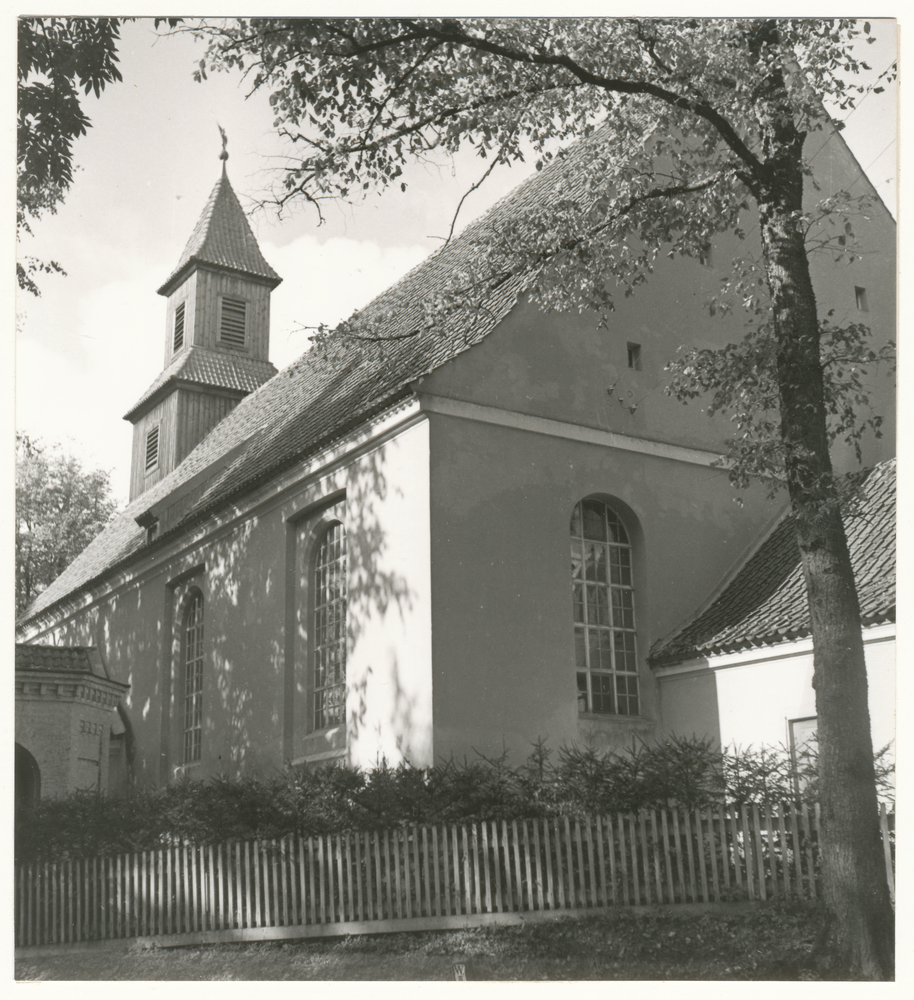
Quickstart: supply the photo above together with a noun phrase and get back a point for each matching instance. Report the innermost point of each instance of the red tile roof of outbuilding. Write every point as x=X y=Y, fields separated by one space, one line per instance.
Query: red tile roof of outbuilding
x=74 y=658
x=765 y=603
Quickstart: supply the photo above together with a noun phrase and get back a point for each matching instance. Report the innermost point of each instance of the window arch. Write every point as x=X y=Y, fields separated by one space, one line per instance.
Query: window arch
x=605 y=648
x=328 y=601
x=192 y=658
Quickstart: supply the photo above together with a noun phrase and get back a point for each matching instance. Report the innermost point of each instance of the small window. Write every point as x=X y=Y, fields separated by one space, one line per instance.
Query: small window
x=860 y=296
x=152 y=448
x=193 y=679
x=232 y=322
x=328 y=688
x=634 y=357
x=179 y=327
x=603 y=598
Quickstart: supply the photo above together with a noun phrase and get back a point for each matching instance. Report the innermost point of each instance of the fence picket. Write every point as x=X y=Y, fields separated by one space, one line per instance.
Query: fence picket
x=655 y=854
x=769 y=846
x=486 y=872
x=712 y=847
x=887 y=849
x=747 y=850
x=580 y=854
x=428 y=881
x=665 y=829
x=702 y=866
x=690 y=853
x=459 y=897
x=645 y=860
x=759 y=856
x=470 y=846
x=602 y=898
x=550 y=885
x=785 y=854
x=499 y=907
x=623 y=859
x=519 y=884
x=445 y=869
x=336 y=880
x=795 y=850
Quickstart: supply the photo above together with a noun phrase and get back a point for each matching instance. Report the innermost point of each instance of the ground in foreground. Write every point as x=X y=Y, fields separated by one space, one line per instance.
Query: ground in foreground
x=772 y=941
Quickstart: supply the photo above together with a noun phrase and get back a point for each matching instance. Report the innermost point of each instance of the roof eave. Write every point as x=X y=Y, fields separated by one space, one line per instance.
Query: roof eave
x=194 y=261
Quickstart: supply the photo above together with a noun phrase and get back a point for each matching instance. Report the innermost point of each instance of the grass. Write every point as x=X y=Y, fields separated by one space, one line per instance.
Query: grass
x=771 y=942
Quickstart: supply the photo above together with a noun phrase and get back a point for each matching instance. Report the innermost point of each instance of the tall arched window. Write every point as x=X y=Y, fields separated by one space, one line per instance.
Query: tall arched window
x=604 y=611
x=328 y=689
x=192 y=650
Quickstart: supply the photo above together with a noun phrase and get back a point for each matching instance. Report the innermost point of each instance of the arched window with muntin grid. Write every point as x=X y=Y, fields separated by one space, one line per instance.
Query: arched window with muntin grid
x=603 y=599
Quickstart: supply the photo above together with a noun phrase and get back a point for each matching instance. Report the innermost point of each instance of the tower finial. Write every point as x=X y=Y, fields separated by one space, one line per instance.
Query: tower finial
x=224 y=154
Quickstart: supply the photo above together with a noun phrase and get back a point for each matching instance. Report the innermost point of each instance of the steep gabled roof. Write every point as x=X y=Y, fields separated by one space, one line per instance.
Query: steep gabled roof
x=765 y=603
x=215 y=369
x=330 y=391
x=223 y=238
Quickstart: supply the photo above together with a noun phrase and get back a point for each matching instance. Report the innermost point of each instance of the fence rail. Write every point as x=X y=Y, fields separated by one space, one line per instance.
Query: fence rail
x=426 y=875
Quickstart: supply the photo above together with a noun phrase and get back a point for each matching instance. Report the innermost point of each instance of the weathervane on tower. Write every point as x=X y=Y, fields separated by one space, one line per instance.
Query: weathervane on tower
x=224 y=154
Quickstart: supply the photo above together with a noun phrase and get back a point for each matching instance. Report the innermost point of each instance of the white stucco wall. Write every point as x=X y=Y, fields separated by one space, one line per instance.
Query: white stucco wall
x=756 y=693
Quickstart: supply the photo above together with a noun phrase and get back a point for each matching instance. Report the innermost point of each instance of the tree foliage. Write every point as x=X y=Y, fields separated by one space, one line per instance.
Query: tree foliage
x=60 y=508
x=696 y=127
x=60 y=60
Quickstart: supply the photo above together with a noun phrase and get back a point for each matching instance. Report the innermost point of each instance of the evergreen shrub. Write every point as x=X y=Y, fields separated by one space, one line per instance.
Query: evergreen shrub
x=688 y=773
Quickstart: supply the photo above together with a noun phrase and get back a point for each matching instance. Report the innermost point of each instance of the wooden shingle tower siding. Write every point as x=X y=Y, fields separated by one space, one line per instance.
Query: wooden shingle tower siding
x=217 y=339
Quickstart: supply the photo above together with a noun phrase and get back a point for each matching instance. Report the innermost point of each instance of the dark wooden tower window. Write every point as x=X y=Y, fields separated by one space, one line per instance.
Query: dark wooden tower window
x=179 y=328
x=152 y=448
x=232 y=322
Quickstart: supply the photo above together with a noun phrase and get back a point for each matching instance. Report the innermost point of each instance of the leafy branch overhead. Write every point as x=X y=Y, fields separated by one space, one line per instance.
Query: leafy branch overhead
x=682 y=138
x=694 y=132
x=60 y=60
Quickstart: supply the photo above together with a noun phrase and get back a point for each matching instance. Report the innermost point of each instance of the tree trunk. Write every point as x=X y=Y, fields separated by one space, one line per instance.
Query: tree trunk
x=860 y=912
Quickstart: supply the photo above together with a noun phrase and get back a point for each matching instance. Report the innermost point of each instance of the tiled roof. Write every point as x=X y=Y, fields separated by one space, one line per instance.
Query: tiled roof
x=223 y=237
x=765 y=603
x=210 y=368
x=74 y=658
x=328 y=392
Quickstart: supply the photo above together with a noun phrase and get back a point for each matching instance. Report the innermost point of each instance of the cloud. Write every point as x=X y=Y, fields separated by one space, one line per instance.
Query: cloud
x=325 y=283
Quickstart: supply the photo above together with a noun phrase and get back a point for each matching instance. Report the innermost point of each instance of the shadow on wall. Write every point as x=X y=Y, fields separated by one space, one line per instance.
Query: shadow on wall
x=245 y=637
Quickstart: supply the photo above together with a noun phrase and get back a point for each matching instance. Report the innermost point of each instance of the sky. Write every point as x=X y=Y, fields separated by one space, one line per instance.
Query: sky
x=92 y=343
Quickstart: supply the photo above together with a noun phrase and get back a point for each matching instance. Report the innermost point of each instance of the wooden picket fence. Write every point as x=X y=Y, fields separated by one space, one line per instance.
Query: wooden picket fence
x=423 y=877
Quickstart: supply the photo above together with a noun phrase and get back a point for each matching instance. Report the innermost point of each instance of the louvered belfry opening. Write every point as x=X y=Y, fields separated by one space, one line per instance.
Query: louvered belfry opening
x=179 y=328
x=152 y=448
x=232 y=322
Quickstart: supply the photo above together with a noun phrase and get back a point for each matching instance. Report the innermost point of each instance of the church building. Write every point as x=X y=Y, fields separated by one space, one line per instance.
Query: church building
x=366 y=555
